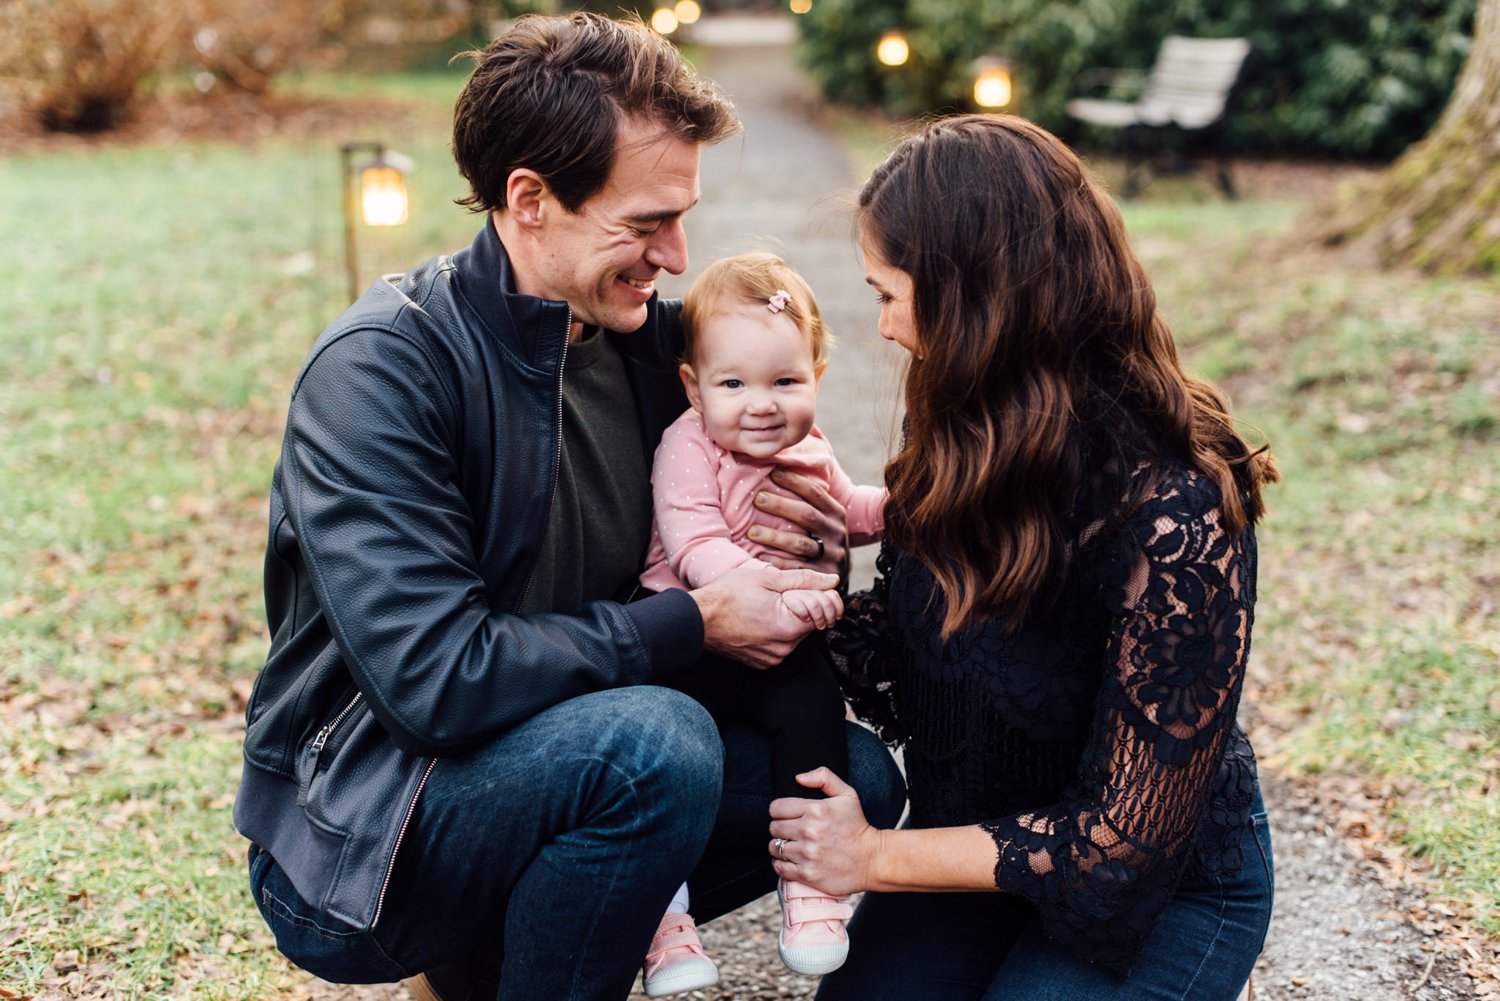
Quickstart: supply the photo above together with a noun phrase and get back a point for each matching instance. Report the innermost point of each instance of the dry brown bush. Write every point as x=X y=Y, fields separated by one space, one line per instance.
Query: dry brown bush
x=78 y=65
x=246 y=43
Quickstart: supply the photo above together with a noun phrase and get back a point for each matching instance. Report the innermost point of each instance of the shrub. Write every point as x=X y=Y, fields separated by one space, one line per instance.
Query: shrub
x=838 y=48
x=1352 y=78
x=78 y=65
x=246 y=44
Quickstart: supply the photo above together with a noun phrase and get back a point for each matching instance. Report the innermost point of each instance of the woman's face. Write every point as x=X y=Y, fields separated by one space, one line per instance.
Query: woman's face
x=894 y=290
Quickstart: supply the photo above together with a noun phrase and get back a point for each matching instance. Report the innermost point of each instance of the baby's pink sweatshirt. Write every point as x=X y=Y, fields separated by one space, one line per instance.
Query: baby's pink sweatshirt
x=703 y=497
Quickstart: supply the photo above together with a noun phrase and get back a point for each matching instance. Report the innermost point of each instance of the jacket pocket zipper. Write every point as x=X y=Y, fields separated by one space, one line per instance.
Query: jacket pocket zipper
x=327 y=731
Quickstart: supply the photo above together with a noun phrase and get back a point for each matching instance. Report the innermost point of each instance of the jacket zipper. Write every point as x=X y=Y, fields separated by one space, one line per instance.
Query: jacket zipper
x=557 y=456
x=411 y=808
x=327 y=731
x=390 y=867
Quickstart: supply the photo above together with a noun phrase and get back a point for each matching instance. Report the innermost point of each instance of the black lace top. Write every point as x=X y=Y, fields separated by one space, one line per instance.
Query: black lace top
x=1097 y=744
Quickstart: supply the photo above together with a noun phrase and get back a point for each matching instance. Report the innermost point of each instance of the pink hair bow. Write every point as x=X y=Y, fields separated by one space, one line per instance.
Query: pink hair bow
x=778 y=301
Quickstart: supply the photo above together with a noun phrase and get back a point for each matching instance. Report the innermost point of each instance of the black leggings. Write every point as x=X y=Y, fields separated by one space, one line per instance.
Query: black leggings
x=797 y=702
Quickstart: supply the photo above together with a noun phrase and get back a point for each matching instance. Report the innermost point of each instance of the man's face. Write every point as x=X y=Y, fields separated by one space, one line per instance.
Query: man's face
x=603 y=260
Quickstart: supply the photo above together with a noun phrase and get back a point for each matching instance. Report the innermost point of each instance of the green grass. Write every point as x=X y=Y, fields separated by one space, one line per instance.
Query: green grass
x=1378 y=628
x=163 y=298
x=1377 y=634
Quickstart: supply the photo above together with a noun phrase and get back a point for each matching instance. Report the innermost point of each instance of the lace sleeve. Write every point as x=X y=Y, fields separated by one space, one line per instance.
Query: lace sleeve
x=1101 y=865
x=863 y=647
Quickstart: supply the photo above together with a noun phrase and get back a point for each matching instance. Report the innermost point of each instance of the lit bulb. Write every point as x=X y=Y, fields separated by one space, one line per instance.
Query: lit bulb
x=664 y=20
x=800 y=6
x=992 y=88
x=382 y=196
x=892 y=50
x=687 y=11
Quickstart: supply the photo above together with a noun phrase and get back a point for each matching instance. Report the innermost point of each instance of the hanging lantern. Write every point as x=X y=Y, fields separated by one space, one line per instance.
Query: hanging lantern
x=382 y=191
x=374 y=193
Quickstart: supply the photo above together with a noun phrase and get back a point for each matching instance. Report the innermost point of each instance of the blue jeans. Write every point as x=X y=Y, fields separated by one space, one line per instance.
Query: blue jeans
x=989 y=947
x=554 y=850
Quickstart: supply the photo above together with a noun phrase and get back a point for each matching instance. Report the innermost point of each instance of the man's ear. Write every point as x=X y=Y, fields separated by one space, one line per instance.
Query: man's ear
x=690 y=383
x=526 y=194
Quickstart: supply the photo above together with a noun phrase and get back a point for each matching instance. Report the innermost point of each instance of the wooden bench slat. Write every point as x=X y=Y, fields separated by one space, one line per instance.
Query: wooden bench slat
x=1188 y=89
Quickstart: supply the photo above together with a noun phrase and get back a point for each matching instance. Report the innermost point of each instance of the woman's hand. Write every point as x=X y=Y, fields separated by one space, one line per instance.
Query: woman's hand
x=818 y=514
x=829 y=844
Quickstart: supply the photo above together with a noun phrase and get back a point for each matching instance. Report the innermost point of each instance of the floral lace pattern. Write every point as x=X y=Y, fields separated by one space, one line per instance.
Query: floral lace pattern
x=1097 y=744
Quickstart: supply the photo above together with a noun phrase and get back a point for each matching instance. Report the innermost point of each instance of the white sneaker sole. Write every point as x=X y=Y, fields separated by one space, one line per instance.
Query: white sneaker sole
x=809 y=960
x=681 y=977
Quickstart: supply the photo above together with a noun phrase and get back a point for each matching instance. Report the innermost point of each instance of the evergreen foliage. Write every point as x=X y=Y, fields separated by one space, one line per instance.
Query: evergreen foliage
x=1344 y=78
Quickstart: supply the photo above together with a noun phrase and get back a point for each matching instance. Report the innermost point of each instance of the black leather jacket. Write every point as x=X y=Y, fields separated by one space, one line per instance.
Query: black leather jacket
x=407 y=509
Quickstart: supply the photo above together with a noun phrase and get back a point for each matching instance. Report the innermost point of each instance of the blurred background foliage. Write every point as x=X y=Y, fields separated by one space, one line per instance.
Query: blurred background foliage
x=1330 y=78
x=82 y=65
x=1350 y=79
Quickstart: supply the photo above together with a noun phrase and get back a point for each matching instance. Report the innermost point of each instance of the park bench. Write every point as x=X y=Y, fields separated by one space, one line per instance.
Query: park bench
x=1184 y=98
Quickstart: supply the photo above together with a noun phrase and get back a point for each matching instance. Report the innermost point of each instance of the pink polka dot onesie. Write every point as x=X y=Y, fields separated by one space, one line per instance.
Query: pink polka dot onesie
x=703 y=498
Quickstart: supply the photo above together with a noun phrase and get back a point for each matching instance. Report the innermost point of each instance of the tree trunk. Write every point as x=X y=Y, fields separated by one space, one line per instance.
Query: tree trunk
x=1438 y=206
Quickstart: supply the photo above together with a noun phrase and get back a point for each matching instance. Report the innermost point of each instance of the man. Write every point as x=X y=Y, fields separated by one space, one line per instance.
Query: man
x=455 y=761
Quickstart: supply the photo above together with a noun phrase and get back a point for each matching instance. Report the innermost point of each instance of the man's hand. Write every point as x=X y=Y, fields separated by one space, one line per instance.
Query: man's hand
x=818 y=514
x=746 y=618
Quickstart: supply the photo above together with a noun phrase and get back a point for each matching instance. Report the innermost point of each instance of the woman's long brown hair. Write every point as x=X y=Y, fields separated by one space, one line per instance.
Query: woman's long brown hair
x=1041 y=360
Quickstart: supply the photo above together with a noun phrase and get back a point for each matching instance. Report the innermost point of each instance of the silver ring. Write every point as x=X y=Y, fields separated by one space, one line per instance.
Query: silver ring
x=819 y=554
x=780 y=844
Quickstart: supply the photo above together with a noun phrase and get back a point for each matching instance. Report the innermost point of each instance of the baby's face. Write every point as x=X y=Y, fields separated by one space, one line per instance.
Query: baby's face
x=754 y=381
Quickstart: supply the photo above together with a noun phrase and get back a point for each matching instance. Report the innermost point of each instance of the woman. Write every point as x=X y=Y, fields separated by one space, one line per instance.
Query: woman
x=1059 y=633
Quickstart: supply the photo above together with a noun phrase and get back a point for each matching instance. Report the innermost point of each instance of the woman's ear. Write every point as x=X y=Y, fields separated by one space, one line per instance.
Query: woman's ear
x=690 y=383
x=525 y=194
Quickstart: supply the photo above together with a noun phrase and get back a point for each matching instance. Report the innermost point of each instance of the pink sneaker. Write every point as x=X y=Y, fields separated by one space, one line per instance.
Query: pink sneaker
x=813 y=940
x=676 y=961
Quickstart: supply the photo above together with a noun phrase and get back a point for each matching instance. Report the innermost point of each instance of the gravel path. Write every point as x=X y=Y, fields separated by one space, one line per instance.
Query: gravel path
x=1338 y=934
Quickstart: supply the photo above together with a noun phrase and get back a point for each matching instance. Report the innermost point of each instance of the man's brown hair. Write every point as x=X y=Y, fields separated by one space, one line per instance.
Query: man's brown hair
x=550 y=93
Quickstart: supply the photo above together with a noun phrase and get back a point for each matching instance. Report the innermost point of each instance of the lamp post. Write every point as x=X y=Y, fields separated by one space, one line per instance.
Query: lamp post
x=381 y=195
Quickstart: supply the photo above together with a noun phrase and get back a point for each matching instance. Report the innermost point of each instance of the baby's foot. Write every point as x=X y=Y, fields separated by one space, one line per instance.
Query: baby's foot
x=676 y=962
x=813 y=939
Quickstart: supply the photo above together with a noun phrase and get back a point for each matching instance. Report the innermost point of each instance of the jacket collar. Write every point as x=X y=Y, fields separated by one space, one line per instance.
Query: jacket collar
x=534 y=328
x=531 y=326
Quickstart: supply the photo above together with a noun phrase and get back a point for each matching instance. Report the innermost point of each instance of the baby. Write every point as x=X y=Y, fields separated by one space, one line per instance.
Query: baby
x=756 y=348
